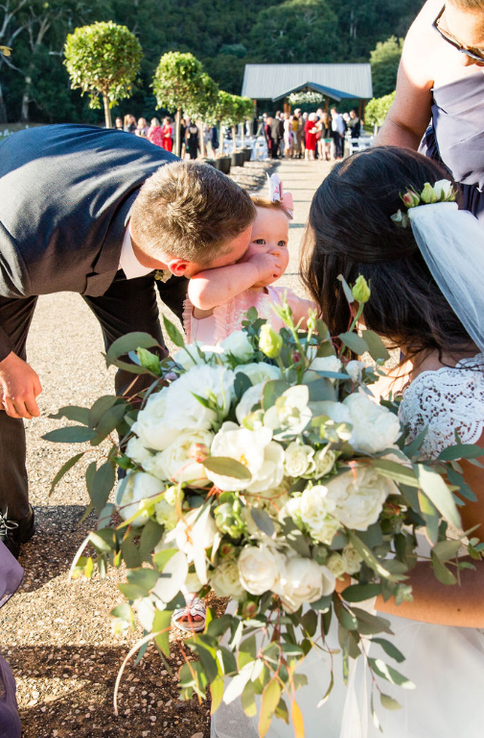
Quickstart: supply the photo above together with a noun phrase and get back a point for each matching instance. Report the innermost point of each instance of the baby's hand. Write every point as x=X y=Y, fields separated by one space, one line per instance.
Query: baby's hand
x=269 y=266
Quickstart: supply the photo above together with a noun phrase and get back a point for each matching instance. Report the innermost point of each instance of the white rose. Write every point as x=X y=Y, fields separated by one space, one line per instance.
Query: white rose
x=263 y=458
x=139 y=489
x=259 y=372
x=334 y=410
x=165 y=509
x=335 y=564
x=183 y=409
x=251 y=397
x=359 y=495
x=152 y=426
x=195 y=354
x=260 y=568
x=375 y=428
x=324 y=460
x=351 y=559
x=178 y=462
x=137 y=451
x=314 y=509
x=238 y=345
x=298 y=460
x=303 y=580
x=225 y=580
x=354 y=369
x=444 y=189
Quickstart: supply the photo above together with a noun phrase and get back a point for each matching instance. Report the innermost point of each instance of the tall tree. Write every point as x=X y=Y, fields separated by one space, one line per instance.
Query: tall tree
x=384 y=60
x=103 y=60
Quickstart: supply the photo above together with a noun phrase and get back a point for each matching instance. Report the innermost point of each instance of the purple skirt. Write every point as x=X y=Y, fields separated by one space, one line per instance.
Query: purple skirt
x=11 y=574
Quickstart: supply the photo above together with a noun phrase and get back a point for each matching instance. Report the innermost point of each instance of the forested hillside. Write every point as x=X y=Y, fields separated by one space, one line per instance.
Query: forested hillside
x=224 y=35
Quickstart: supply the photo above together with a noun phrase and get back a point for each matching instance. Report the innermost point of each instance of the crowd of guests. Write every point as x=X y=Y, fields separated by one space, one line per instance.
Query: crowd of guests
x=164 y=134
x=309 y=135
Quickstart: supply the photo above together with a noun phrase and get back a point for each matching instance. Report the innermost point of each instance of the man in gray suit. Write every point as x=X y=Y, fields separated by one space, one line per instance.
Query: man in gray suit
x=94 y=211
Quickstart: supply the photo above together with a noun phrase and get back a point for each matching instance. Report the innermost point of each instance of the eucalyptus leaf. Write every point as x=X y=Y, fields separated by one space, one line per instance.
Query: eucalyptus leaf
x=368 y=624
x=248 y=700
x=439 y=493
x=461 y=451
x=390 y=649
x=377 y=349
x=227 y=467
x=389 y=703
x=162 y=625
x=102 y=485
x=130 y=342
x=216 y=693
x=173 y=333
x=442 y=574
x=111 y=419
x=390 y=674
x=70 y=434
x=263 y=521
x=354 y=342
x=270 y=699
x=361 y=592
x=150 y=536
x=272 y=391
x=445 y=550
x=64 y=469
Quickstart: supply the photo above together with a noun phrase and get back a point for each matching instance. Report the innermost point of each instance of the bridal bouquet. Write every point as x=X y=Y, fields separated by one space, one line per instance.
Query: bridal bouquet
x=265 y=470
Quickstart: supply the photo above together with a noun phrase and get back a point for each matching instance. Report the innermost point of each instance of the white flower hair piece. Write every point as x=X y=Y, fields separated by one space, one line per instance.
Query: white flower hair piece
x=277 y=194
x=442 y=191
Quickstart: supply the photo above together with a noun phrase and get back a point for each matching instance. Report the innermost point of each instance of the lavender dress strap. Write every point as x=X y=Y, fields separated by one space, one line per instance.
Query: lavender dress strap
x=11 y=574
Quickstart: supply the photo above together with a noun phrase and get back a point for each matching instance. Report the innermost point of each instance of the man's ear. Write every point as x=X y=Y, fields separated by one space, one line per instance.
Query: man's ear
x=179 y=267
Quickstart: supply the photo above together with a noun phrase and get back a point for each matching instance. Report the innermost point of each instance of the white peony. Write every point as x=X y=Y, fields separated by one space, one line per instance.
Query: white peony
x=335 y=564
x=190 y=355
x=291 y=414
x=259 y=372
x=324 y=460
x=260 y=568
x=298 y=460
x=178 y=462
x=213 y=383
x=359 y=495
x=303 y=580
x=255 y=450
x=375 y=428
x=351 y=559
x=238 y=345
x=138 y=491
x=137 y=451
x=323 y=364
x=225 y=580
x=153 y=426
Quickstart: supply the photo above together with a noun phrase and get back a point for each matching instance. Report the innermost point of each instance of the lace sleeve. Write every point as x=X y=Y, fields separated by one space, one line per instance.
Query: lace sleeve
x=449 y=400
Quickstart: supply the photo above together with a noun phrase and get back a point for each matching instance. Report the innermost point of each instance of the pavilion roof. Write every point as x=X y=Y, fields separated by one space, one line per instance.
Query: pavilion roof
x=337 y=81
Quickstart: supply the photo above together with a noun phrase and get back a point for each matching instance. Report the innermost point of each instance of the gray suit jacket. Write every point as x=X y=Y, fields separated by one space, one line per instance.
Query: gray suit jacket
x=65 y=193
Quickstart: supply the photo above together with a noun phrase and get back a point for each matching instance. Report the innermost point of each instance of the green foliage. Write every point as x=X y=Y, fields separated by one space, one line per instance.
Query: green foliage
x=176 y=80
x=103 y=59
x=377 y=109
x=384 y=60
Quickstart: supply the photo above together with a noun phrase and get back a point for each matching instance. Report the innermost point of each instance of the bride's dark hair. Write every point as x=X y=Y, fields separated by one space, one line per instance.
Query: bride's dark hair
x=351 y=232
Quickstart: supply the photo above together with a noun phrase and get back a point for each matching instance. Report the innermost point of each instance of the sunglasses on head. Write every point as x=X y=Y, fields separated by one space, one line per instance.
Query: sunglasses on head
x=472 y=53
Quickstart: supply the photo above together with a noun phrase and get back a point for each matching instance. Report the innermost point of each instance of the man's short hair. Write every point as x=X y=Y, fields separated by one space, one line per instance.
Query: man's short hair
x=189 y=211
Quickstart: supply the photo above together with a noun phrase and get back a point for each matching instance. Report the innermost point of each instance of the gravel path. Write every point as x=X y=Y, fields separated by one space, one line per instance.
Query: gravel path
x=57 y=635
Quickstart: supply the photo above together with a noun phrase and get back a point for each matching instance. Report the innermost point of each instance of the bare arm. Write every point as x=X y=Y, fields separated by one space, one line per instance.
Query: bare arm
x=213 y=287
x=410 y=113
x=19 y=387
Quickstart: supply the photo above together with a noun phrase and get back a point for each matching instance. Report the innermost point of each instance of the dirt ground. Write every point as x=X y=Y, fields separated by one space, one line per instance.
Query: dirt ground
x=58 y=636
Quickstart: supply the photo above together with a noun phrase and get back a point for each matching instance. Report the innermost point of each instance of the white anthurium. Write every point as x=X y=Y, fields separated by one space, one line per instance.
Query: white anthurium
x=259 y=372
x=167 y=587
x=137 y=491
x=248 y=448
x=238 y=345
x=375 y=428
x=358 y=496
x=302 y=581
x=290 y=414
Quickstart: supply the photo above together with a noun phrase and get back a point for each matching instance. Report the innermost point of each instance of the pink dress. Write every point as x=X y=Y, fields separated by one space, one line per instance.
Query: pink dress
x=228 y=317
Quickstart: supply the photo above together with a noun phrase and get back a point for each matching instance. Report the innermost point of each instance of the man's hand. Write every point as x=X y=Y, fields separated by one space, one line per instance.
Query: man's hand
x=19 y=386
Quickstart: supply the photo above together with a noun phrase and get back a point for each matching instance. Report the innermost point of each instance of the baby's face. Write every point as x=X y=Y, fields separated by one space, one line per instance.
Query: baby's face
x=270 y=235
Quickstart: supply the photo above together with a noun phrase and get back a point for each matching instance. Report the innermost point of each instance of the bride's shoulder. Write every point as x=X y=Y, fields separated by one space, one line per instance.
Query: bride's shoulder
x=447 y=401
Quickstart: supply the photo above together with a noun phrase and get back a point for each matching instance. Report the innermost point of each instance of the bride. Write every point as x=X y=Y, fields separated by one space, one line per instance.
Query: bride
x=426 y=284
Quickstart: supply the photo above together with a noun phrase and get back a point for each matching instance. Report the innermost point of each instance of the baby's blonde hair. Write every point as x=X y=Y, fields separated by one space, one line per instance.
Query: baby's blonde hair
x=264 y=202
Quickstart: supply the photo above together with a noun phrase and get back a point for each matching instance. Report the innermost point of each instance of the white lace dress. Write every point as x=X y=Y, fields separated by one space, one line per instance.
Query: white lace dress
x=445 y=663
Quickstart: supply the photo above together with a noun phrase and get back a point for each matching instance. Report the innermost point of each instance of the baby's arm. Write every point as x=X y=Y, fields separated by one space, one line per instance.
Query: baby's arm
x=213 y=287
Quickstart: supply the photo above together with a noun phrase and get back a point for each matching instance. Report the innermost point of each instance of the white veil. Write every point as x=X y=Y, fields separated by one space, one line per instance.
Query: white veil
x=452 y=243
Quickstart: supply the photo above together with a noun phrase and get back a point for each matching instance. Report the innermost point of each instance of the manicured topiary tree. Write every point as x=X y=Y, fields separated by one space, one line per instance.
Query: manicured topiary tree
x=221 y=113
x=176 y=84
x=103 y=59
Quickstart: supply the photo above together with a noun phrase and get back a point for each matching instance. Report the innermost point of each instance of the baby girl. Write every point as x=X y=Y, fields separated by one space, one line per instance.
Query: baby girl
x=219 y=298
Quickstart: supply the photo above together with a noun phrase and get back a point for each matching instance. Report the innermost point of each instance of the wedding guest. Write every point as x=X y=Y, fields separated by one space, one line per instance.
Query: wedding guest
x=299 y=148
x=118 y=124
x=129 y=123
x=354 y=124
x=167 y=133
x=192 y=139
x=324 y=143
x=338 y=128
x=142 y=128
x=277 y=133
x=271 y=143
x=214 y=140
x=288 y=135
x=155 y=133
x=310 y=131
x=441 y=81
x=92 y=218
x=426 y=300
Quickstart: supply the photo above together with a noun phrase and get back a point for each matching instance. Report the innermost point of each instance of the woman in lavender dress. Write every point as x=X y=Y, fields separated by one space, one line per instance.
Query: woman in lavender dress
x=11 y=574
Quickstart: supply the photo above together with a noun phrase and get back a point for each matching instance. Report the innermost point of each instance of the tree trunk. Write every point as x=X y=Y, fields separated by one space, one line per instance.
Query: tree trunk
x=178 y=143
x=202 y=142
x=3 y=110
x=234 y=146
x=242 y=141
x=221 y=141
x=24 y=113
x=107 y=111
